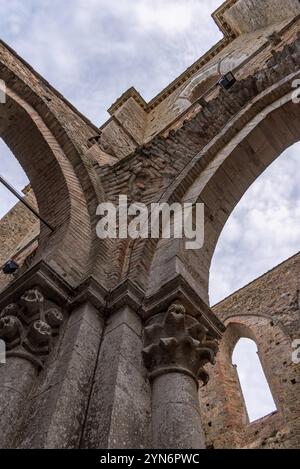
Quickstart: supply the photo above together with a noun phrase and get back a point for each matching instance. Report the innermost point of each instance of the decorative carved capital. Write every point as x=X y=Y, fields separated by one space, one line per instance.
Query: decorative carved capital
x=29 y=326
x=179 y=343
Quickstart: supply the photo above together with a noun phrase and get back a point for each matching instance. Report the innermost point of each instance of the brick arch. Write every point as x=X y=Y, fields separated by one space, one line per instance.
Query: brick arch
x=237 y=166
x=199 y=85
x=58 y=192
x=219 y=176
x=205 y=153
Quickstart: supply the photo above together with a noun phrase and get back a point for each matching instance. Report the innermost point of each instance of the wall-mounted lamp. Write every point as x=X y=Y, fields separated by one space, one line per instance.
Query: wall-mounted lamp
x=10 y=267
x=227 y=81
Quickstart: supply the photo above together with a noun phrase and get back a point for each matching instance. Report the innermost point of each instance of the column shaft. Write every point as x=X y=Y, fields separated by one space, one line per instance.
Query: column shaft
x=176 y=421
x=119 y=412
x=16 y=380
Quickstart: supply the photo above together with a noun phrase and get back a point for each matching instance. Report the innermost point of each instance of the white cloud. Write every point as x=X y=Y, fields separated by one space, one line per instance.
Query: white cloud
x=168 y=17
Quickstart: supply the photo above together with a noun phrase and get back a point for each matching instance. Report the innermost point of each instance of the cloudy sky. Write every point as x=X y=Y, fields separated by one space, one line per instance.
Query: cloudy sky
x=93 y=50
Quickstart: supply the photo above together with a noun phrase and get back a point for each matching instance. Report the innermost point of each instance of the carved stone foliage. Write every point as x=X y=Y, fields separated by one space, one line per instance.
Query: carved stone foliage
x=29 y=326
x=179 y=343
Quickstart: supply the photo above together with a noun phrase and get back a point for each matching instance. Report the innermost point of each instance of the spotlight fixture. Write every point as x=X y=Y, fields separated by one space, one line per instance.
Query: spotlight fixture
x=10 y=267
x=227 y=81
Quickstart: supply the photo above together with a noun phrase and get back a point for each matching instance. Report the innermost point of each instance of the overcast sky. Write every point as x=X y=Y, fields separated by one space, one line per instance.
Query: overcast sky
x=93 y=50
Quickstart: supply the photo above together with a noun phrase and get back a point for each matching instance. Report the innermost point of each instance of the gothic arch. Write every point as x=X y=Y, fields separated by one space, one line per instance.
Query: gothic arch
x=199 y=85
x=221 y=173
x=57 y=189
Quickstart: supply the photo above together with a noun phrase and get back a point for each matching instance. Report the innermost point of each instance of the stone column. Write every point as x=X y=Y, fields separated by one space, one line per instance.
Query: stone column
x=27 y=328
x=120 y=406
x=16 y=377
x=176 y=349
x=59 y=402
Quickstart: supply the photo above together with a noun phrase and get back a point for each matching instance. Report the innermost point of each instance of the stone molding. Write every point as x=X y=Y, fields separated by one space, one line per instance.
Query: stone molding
x=179 y=290
x=126 y=293
x=91 y=292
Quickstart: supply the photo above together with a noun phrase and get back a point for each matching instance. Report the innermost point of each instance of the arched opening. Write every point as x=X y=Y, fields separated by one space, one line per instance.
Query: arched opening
x=218 y=177
x=59 y=194
x=263 y=229
x=255 y=389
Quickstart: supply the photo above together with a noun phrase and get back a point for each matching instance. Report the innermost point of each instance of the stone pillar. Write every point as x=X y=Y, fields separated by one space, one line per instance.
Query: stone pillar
x=27 y=327
x=176 y=349
x=120 y=405
x=59 y=402
x=16 y=377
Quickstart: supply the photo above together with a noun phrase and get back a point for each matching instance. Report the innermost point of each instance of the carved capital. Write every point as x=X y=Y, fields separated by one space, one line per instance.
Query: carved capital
x=29 y=326
x=178 y=342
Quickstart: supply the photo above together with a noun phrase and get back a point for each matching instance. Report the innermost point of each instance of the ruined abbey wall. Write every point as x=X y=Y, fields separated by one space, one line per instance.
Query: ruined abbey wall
x=19 y=230
x=268 y=312
x=108 y=340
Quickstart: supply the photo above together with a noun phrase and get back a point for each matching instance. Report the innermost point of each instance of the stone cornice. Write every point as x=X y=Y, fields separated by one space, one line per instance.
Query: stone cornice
x=126 y=293
x=179 y=290
x=130 y=294
x=219 y=19
x=56 y=287
x=90 y=291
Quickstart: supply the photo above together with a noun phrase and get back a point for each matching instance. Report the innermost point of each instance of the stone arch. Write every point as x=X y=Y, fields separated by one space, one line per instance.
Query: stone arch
x=58 y=192
x=219 y=176
x=198 y=86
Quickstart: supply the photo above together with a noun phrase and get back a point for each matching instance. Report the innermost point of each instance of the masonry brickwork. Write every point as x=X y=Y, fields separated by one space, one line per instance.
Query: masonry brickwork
x=266 y=311
x=110 y=342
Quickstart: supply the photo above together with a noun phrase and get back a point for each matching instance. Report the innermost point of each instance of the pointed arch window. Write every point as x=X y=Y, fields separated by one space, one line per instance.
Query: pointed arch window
x=254 y=385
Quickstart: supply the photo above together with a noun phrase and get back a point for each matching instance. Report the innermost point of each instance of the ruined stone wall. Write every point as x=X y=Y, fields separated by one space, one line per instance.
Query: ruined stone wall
x=19 y=229
x=118 y=291
x=266 y=311
x=248 y=15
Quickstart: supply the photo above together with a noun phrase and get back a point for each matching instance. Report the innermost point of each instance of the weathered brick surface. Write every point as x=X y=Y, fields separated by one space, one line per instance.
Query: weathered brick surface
x=147 y=174
x=18 y=230
x=268 y=312
x=53 y=143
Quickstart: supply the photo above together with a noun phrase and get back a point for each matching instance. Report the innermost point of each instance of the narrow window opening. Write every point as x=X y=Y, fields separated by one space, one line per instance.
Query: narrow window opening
x=255 y=388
